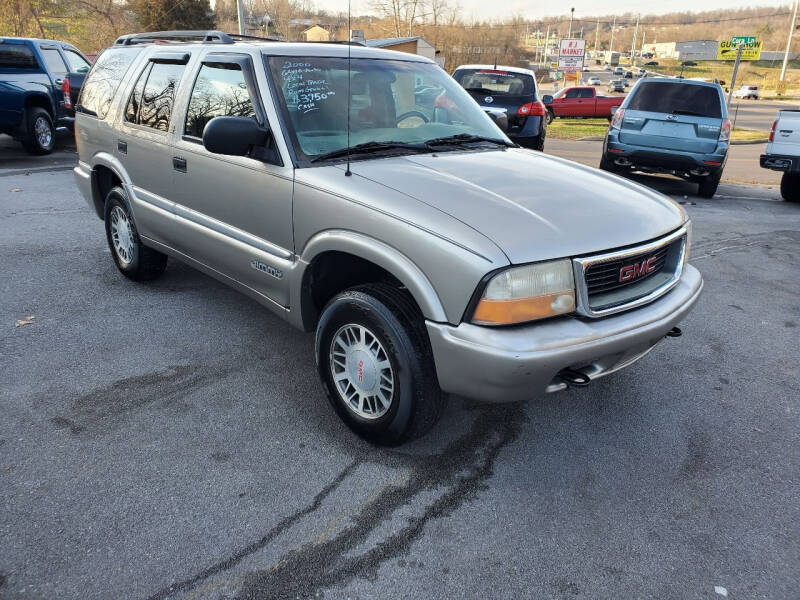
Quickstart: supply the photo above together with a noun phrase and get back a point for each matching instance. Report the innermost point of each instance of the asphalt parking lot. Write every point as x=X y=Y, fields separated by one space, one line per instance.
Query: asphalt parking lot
x=170 y=439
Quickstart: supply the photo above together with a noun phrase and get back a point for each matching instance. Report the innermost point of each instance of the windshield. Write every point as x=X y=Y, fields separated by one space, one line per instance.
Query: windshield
x=664 y=97
x=495 y=82
x=390 y=101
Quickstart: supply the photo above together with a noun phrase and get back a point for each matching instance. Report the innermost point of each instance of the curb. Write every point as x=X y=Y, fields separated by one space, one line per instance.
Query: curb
x=591 y=138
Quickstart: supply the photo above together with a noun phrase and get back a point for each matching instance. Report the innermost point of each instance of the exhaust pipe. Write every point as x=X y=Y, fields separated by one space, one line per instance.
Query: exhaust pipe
x=674 y=332
x=623 y=162
x=574 y=378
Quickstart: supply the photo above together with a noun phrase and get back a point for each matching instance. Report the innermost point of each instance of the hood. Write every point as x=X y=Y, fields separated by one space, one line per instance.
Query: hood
x=533 y=206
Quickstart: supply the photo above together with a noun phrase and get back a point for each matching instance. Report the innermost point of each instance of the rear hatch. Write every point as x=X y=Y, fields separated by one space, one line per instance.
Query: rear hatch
x=500 y=89
x=684 y=117
x=786 y=138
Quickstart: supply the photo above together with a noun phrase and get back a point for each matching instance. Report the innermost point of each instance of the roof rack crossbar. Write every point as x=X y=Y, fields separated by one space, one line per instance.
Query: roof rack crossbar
x=206 y=36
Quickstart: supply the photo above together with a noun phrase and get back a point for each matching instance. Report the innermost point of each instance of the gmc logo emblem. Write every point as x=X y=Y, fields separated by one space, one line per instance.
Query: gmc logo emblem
x=636 y=270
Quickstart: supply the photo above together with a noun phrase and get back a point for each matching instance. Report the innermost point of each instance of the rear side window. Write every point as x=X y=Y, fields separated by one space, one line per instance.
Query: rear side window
x=219 y=91
x=77 y=64
x=684 y=99
x=496 y=82
x=55 y=64
x=151 y=102
x=14 y=56
x=103 y=80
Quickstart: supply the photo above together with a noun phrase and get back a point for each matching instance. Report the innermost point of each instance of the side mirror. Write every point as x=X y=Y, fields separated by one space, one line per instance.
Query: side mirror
x=500 y=119
x=235 y=136
x=547 y=99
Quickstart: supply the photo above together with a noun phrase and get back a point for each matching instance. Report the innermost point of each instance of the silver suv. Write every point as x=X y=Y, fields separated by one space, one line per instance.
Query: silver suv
x=431 y=255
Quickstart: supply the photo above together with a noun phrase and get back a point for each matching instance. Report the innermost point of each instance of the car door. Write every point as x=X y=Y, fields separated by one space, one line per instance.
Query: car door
x=568 y=105
x=56 y=68
x=586 y=102
x=143 y=145
x=233 y=213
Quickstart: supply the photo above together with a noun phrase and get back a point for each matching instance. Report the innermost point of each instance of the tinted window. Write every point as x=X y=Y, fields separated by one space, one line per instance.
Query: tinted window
x=687 y=99
x=496 y=82
x=55 y=64
x=573 y=93
x=103 y=80
x=13 y=56
x=586 y=93
x=77 y=64
x=153 y=104
x=135 y=101
x=219 y=91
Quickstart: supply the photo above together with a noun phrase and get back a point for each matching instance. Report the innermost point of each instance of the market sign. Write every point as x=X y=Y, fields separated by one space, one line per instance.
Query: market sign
x=751 y=48
x=570 y=55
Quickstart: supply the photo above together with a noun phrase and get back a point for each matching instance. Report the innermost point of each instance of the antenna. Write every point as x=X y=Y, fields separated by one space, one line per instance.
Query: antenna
x=347 y=172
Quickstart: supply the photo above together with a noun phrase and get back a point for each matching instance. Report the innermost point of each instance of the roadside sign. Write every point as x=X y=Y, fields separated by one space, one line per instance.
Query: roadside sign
x=743 y=39
x=750 y=51
x=570 y=55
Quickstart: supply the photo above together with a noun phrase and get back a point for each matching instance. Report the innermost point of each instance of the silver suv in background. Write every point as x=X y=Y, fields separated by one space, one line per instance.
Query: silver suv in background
x=429 y=253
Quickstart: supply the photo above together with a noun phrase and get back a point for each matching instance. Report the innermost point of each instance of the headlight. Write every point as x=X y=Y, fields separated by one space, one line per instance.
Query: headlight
x=527 y=293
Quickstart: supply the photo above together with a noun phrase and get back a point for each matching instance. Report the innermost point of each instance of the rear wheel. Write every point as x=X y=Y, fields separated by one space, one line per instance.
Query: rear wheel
x=133 y=259
x=708 y=186
x=40 y=135
x=606 y=164
x=374 y=359
x=548 y=116
x=790 y=187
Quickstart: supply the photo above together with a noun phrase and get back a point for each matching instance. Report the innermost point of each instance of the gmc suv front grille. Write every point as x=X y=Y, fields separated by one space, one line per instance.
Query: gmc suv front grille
x=620 y=280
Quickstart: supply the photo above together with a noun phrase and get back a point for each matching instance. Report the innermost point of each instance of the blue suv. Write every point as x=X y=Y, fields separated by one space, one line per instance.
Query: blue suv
x=673 y=126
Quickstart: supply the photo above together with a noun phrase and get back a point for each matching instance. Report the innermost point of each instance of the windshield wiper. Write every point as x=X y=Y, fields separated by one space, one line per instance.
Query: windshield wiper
x=368 y=147
x=467 y=138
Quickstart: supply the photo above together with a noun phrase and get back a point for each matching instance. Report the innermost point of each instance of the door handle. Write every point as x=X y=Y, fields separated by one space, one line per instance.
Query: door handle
x=122 y=147
x=179 y=164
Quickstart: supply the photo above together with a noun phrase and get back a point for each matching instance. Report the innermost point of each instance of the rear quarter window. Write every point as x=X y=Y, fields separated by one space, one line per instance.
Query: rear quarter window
x=687 y=99
x=103 y=80
x=17 y=56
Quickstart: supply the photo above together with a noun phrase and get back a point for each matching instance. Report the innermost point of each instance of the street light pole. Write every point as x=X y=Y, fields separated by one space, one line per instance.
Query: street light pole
x=596 y=35
x=571 y=16
x=633 y=43
x=613 y=27
x=789 y=41
x=240 y=15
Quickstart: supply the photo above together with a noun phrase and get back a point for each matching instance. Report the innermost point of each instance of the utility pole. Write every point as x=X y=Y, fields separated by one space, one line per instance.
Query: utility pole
x=596 y=35
x=633 y=43
x=641 y=48
x=735 y=70
x=788 y=41
x=240 y=15
x=613 y=27
x=546 y=43
x=571 y=16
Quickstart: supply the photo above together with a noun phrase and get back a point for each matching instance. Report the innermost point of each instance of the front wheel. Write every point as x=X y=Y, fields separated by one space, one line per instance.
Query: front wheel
x=790 y=187
x=374 y=359
x=133 y=259
x=548 y=116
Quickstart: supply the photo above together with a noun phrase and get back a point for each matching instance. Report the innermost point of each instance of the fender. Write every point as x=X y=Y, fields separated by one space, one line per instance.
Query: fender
x=109 y=161
x=374 y=251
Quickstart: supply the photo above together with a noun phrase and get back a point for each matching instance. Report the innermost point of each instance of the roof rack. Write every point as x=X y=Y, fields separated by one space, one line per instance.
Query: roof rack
x=204 y=36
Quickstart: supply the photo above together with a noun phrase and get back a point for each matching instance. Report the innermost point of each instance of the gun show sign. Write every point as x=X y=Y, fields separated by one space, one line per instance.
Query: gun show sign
x=570 y=55
x=751 y=48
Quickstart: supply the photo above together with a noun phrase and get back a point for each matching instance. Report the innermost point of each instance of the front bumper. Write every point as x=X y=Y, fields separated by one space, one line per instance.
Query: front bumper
x=518 y=363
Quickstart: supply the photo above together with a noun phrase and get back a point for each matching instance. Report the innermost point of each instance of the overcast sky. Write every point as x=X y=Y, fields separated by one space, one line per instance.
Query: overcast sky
x=499 y=9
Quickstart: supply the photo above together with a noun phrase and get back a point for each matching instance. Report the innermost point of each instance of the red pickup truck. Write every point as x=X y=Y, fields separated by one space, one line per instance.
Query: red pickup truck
x=580 y=102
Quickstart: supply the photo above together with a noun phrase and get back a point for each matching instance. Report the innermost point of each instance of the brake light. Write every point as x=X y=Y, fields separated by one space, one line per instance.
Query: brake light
x=725 y=131
x=65 y=91
x=772 y=131
x=616 y=119
x=531 y=109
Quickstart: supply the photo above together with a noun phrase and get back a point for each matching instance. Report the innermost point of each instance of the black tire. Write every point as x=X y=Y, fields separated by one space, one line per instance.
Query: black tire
x=391 y=316
x=548 y=116
x=607 y=164
x=40 y=135
x=538 y=141
x=139 y=263
x=790 y=187
x=708 y=186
